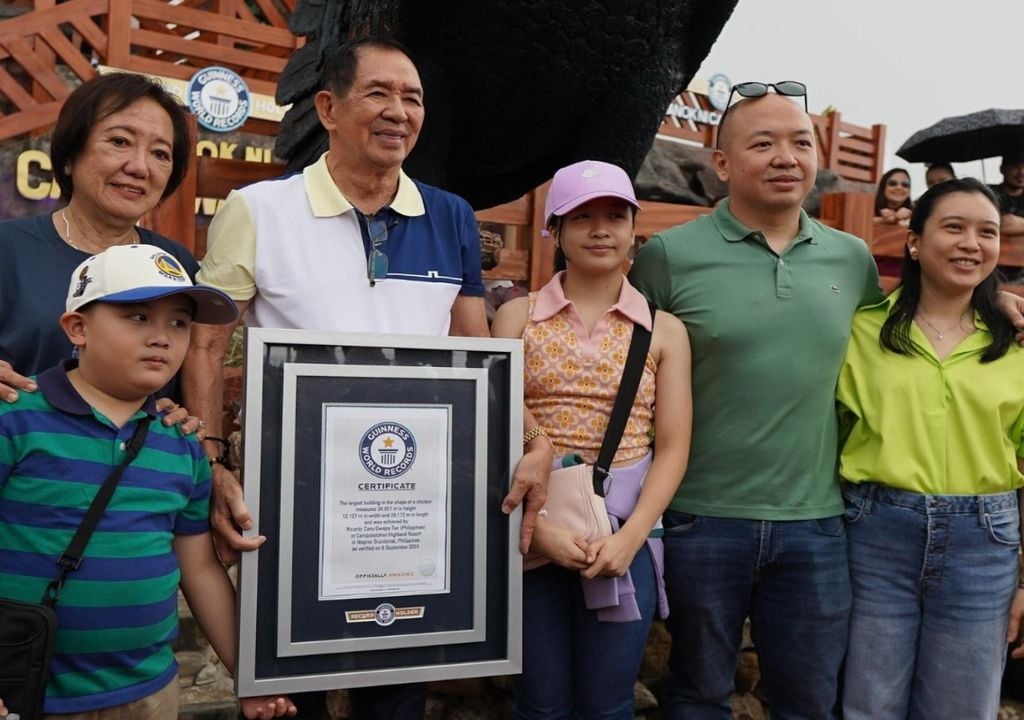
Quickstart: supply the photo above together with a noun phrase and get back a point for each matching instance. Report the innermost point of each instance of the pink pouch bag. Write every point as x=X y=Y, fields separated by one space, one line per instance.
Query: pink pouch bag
x=572 y=504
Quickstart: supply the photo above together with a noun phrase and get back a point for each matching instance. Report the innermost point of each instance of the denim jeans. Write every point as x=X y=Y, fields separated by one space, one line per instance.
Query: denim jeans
x=790 y=577
x=933 y=577
x=575 y=666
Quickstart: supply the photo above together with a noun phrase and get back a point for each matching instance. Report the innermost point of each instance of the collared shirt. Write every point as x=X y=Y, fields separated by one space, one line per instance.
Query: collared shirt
x=943 y=427
x=572 y=376
x=35 y=270
x=767 y=333
x=300 y=251
x=1008 y=204
x=118 y=612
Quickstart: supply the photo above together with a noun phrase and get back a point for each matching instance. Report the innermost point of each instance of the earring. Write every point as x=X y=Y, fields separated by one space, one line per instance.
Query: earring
x=913 y=254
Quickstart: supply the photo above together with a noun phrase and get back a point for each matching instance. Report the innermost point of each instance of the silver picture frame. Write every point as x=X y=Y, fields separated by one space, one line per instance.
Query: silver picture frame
x=306 y=622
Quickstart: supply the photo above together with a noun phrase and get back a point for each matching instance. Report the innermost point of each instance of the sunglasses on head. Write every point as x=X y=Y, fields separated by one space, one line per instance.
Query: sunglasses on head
x=787 y=88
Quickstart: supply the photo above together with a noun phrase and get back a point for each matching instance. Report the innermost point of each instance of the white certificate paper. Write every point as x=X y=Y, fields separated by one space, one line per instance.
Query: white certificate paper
x=385 y=501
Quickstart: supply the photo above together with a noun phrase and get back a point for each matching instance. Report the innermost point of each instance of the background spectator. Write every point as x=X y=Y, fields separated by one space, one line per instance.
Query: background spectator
x=892 y=201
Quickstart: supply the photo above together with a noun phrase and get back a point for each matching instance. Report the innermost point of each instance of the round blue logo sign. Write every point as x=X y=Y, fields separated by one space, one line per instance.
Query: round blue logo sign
x=719 y=89
x=387 y=450
x=219 y=98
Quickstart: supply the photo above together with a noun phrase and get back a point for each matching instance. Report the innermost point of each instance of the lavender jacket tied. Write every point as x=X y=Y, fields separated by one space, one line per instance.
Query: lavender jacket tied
x=614 y=598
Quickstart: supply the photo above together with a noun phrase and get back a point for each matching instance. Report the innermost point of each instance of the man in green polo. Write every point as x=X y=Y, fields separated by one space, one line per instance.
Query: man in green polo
x=756 y=529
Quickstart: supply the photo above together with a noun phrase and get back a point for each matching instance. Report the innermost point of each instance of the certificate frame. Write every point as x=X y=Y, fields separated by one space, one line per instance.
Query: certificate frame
x=308 y=620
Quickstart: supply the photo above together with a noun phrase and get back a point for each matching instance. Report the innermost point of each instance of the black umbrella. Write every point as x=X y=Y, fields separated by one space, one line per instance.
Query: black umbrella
x=967 y=137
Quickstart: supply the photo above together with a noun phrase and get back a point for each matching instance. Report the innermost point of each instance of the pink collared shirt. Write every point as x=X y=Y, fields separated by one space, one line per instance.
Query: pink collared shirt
x=572 y=377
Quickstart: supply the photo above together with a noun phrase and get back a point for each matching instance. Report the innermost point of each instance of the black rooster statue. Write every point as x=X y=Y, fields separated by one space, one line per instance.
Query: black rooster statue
x=514 y=89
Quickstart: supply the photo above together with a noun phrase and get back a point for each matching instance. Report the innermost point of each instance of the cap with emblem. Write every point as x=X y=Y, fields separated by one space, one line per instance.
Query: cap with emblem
x=137 y=273
x=581 y=182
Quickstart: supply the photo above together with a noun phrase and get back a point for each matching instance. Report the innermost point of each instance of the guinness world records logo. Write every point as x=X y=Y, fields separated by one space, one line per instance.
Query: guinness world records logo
x=219 y=98
x=387 y=450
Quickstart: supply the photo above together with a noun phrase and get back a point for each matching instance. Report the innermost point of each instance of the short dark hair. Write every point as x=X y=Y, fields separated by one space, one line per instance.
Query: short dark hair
x=101 y=97
x=338 y=71
x=895 y=335
x=940 y=166
x=880 y=201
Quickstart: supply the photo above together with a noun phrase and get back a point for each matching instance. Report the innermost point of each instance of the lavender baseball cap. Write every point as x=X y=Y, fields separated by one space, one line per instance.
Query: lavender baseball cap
x=581 y=182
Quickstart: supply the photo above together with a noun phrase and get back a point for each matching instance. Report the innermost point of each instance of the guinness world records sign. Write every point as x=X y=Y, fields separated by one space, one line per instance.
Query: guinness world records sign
x=219 y=98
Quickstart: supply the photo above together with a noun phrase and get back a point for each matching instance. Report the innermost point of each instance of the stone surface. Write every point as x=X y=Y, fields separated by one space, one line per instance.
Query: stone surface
x=747 y=707
x=643 y=699
x=680 y=173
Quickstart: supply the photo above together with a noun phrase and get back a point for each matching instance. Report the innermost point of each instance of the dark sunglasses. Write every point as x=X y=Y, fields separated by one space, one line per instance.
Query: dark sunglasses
x=897 y=183
x=787 y=88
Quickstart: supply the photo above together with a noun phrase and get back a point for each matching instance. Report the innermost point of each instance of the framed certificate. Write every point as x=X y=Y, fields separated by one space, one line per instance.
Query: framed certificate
x=376 y=465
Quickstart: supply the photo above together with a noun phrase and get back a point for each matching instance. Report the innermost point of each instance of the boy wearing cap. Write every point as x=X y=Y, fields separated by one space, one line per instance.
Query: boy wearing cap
x=129 y=315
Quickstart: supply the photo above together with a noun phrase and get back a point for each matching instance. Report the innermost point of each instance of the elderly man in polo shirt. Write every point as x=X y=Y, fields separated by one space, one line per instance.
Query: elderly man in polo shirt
x=756 y=528
x=351 y=244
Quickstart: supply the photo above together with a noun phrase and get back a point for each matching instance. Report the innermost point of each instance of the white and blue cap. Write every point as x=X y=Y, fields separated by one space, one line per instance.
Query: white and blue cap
x=137 y=273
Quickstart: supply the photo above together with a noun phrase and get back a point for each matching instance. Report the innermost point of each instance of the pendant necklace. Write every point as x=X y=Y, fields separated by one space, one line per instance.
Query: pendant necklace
x=940 y=334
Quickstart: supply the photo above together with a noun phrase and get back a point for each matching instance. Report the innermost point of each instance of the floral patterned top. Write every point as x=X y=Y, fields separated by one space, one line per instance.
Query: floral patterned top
x=572 y=378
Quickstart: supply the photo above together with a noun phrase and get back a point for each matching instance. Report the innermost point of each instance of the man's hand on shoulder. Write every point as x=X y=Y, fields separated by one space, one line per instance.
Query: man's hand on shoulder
x=1012 y=306
x=11 y=382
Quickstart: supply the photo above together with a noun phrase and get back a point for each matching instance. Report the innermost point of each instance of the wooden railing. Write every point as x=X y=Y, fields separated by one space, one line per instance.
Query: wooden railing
x=850 y=151
x=159 y=37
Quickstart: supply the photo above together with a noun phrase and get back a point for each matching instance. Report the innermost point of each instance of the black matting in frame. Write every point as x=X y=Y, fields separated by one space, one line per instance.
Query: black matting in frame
x=314 y=619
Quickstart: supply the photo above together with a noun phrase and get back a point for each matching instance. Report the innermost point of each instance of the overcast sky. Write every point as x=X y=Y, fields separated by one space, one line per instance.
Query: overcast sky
x=903 y=63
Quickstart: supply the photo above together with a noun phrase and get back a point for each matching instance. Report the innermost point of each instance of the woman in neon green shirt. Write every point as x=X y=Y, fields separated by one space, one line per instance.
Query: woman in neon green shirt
x=931 y=401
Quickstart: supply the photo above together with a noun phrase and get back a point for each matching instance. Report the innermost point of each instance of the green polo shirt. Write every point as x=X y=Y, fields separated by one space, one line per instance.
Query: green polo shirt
x=768 y=333
x=940 y=427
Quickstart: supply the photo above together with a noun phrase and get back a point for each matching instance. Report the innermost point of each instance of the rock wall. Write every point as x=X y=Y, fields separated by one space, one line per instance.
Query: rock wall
x=678 y=173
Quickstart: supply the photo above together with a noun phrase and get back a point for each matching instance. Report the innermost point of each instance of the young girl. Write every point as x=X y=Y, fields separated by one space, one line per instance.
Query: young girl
x=931 y=399
x=579 y=662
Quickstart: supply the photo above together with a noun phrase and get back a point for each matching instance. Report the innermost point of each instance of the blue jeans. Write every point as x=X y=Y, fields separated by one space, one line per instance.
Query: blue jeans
x=933 y=577
x=573 y=665
x=790 y=577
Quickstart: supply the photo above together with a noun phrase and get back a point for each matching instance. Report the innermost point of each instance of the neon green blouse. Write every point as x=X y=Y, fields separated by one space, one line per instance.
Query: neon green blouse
x=917 y=423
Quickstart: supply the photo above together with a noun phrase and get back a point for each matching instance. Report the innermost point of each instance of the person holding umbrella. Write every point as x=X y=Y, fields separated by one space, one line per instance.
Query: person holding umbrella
x=1011 y=195
x=938 y=172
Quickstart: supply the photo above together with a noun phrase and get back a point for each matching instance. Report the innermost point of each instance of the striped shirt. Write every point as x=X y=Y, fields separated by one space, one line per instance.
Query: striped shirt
x=118 y=613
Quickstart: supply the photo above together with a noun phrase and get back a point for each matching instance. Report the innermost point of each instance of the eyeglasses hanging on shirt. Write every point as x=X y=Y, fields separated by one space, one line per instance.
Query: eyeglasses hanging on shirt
x=377 y=226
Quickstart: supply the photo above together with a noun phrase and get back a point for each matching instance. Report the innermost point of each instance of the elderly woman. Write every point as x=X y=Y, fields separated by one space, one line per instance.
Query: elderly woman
x=120 y=146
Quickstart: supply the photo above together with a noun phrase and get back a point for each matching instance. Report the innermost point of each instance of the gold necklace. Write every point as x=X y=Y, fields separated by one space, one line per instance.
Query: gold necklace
x=133 y=236
x=939 y=334
x=67 y=230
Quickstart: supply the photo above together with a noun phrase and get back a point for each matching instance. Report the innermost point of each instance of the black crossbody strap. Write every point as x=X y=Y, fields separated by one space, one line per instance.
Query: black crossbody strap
x=639 y=344
x=71 y=558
